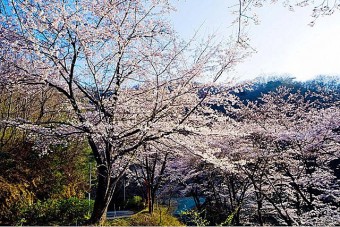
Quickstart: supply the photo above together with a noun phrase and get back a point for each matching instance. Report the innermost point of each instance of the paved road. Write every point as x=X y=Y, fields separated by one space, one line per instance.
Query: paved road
x=119 y=214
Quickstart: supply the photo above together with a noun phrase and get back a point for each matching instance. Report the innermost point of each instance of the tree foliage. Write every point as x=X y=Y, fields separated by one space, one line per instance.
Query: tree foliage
x=113 y=76
x=279 y=160
x=124 y=76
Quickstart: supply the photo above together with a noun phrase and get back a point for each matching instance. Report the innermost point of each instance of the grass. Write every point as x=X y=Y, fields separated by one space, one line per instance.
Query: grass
x=161 y=216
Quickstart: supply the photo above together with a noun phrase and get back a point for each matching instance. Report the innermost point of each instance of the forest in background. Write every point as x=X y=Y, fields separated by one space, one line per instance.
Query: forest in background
x=279 y=164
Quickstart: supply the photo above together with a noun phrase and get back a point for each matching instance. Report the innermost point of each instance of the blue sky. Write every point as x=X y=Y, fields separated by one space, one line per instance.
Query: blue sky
x=284 y=42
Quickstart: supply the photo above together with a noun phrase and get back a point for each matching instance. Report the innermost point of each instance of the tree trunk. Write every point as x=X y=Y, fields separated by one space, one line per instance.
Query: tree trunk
x=153 y=199
x=259 y=211
x=149 y=197
x=103 y=197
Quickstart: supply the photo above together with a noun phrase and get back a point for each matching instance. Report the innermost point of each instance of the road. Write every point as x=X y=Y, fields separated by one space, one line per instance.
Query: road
x=119 y=214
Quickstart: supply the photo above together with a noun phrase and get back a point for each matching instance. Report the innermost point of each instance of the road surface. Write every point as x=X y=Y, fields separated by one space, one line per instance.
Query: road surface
x=119 y=214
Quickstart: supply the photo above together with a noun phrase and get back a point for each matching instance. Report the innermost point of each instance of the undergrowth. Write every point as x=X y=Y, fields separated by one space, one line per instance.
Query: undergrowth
x=161 y=216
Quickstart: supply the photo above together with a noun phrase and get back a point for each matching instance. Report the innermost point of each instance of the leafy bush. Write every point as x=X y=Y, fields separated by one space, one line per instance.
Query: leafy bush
x=10 y=196
x=72 y=211
x=135 y=203
x=194 y=217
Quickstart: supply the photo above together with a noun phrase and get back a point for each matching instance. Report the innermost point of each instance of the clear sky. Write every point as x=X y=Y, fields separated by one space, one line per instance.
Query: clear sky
x=284 y=42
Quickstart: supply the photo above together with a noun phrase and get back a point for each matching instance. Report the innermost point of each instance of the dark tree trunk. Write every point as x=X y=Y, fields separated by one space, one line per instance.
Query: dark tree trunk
x=259 y=210
x=104 y=192
x=153 y=199
x=105 y=186
x=149 y=198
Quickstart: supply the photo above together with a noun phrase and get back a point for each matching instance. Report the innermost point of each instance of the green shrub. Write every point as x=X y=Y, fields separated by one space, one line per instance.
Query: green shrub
x=72 y=211
x=10 y=196
x=194 y=217
x=135 y=203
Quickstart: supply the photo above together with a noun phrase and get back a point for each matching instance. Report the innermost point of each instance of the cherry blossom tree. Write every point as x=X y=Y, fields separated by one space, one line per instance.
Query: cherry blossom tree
x=284 y=144
x=150 y=170
x=245 y=13
x=125 y=77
